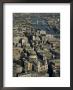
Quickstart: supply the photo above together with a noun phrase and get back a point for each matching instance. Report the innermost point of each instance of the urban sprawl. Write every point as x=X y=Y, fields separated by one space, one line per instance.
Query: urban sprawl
x=36 y=44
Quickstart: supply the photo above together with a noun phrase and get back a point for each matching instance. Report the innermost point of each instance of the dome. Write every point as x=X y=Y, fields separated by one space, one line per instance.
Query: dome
x=33 y=53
